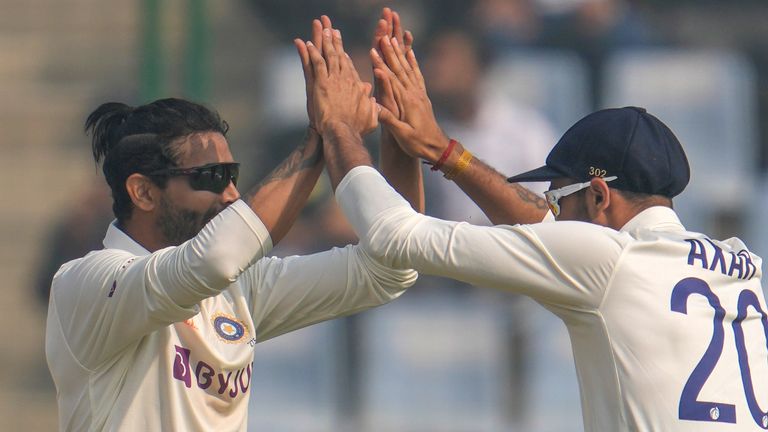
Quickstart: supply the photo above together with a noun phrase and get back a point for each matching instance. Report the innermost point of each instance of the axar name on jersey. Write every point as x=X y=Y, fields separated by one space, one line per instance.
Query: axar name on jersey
x=709 y=256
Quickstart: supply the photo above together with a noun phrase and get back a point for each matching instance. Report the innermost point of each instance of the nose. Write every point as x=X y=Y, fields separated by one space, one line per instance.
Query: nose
x=230 y=194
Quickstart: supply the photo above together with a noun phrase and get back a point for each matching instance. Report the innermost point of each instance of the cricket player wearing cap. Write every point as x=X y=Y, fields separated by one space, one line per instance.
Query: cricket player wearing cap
x=668 y=327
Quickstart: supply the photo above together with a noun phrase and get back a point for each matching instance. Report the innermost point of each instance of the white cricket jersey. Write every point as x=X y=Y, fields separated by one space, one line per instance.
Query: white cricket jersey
x=165 y=341
x=668 y=327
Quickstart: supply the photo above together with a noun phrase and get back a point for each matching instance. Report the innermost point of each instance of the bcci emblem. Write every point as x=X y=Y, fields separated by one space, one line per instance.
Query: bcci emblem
x=229 y=329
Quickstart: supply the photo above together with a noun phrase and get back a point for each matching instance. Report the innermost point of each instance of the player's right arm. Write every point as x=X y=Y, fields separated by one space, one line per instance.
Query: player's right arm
x=400 y=169
x=111 y=298
x=544 y=261
x=418 y=133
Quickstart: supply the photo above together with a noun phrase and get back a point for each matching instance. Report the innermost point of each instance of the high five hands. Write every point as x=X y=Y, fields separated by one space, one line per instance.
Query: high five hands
x=389 y=27
x=414 y=124
x=336 y=96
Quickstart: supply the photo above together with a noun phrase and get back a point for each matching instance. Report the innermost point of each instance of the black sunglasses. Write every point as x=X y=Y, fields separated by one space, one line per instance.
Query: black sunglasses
x=213 y=177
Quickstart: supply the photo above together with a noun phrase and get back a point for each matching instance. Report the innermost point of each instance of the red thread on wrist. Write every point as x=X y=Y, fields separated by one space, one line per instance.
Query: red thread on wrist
x=451 y=144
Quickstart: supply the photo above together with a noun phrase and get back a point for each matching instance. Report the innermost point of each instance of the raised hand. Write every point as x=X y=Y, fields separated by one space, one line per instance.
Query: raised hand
x=389 y=27
x=414 y=126
x=338 y=101
x=400 y=169
x=338 y=95
x=309 y=75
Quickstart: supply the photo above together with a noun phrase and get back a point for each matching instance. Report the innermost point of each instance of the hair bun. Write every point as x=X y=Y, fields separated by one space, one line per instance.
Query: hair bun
x=105 y=124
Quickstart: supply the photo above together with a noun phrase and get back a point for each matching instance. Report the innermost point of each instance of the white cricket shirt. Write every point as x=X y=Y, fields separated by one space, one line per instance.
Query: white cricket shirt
x=165 y=341
x=668 y=327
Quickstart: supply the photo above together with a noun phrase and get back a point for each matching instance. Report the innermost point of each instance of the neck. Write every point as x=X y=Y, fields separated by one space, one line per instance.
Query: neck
x=624 y=213
x=144 y=231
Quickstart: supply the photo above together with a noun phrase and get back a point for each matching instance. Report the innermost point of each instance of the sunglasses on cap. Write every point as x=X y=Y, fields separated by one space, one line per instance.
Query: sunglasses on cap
x=213 y=177
x=553 y=196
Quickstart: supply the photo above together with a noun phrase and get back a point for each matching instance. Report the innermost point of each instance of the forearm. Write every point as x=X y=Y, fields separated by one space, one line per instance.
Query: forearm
x=343 y=151
x=502 y=202
x=526 y=259
x=113 y=298
x=279 y=198
x=298 y=291
x=402 y=171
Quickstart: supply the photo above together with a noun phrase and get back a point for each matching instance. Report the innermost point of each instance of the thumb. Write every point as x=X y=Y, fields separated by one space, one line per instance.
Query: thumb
x=395 y=126
x=386 y=117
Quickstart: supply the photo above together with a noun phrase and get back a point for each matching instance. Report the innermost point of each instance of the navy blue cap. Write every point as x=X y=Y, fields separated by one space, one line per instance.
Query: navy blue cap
x=629 y=143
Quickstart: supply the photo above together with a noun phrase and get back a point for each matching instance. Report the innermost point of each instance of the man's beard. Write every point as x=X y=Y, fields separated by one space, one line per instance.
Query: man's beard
x=178 y=225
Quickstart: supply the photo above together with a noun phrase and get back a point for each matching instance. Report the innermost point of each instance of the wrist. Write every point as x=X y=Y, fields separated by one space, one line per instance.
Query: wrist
x=457 y=162
x=436 y=149
x=454 y=160
x=438 y=164
x=337 y=129
x=312 y=131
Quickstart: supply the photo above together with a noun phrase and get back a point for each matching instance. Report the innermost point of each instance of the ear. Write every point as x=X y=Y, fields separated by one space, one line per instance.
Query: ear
x=143 y=192
x=598 y=198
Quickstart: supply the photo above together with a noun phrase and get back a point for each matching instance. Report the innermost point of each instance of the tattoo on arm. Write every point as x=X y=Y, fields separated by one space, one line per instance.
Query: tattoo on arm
x=524 y=194
x=297 y=161
x=530 y=197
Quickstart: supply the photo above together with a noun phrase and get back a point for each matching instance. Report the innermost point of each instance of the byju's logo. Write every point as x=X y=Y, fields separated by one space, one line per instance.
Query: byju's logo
x=222 y=382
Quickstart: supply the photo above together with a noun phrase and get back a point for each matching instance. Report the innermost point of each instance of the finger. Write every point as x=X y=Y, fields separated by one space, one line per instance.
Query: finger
x=319 y=66
x=338 y=45
x=390 y=91
x=379 y=32
x=411 y=56
x=381 y=69
x=317 y=34
x=376 y=60
x=397 y=29
x=344 y=58
x=326 y=21
x=393 y=124
x=385 y=93
x=393 y=62
x=328 y=25
x=403 y=61
x=408 y=41
x=350 y=65
x=373 y=121
x=384 y=84
x=306 y=65
x=386 y=15
x=378 y=63
x=367 y=87
x=329 y=52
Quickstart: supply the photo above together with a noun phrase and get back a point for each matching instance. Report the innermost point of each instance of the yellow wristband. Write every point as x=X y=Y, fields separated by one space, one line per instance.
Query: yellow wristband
x=461 y=165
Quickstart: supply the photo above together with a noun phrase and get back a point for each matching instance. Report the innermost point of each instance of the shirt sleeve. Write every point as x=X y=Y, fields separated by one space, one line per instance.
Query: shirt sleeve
x=111 y=298
x=286 y=294
x=563 y=263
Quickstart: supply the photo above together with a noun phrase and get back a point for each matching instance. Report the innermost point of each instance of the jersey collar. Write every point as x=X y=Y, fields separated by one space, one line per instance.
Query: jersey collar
x=117 y=239
x=657 y=218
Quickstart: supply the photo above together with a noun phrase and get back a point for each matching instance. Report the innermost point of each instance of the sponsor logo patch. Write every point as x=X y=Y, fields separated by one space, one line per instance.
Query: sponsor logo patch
x=229 y=329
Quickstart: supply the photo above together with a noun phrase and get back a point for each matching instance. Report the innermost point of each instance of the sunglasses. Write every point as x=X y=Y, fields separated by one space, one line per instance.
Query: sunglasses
x=213 y=177
x=553 y=196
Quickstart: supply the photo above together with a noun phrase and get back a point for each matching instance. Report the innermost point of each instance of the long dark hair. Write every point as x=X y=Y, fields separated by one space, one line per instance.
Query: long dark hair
x=144 y=139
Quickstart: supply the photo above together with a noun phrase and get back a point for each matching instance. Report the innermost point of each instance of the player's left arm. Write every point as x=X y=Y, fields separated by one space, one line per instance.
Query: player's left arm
x=286 y=294
x=279 y=198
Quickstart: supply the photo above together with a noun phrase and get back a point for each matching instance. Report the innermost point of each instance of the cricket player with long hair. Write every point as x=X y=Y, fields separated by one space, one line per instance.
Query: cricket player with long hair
x=157 y=331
